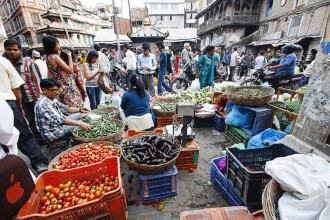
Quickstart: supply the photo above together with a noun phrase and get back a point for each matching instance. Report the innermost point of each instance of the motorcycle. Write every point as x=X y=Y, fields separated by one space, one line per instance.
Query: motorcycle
x=183 y=81
x=266 y=75
x=119 y=76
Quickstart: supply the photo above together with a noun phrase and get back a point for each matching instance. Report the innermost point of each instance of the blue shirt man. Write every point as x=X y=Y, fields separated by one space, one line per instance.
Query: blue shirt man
x=146 y=65
x=162 y=60
x=290 y=61
x=146 y=62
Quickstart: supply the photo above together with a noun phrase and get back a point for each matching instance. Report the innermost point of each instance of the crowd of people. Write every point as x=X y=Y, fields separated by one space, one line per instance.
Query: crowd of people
x=47 y=95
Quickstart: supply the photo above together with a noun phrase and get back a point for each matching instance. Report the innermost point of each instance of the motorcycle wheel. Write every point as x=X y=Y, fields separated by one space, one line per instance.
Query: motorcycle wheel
x=250 y=82
x=167 y=80
x=121 y=83
x=179 y=85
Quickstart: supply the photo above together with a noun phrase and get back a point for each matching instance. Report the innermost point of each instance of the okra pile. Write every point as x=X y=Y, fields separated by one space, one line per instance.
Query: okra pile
x=250 y=92
x=167 y=106
x=151 y=149
x=100 y=128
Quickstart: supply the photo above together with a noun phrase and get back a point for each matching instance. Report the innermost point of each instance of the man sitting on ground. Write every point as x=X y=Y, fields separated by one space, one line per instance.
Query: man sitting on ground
x=50 y=117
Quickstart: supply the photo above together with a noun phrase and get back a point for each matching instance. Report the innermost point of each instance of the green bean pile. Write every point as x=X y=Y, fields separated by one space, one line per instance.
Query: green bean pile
x=167 y=106
x=100 y=128
x=104 y=114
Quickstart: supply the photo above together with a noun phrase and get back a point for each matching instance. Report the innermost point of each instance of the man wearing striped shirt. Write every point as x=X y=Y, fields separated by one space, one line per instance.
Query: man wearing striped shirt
x=30 y=73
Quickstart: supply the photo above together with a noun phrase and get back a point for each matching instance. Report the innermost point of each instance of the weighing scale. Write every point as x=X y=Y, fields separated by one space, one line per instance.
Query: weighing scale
x=187 y=111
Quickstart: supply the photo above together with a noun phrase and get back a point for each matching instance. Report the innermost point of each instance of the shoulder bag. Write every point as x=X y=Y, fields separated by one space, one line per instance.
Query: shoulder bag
x=16 y=184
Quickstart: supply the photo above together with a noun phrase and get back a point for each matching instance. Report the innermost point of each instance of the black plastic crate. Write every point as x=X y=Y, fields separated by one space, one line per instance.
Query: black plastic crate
x=245 y=169
x=203 y=122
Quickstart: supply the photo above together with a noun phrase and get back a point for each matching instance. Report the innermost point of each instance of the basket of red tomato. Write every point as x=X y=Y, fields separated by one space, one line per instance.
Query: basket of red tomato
x=81 y=193
x=83 y=155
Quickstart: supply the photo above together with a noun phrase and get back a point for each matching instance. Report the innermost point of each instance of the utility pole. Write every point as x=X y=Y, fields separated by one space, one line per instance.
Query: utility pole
x=130 y=17
x=60 y=12
x=115 y=21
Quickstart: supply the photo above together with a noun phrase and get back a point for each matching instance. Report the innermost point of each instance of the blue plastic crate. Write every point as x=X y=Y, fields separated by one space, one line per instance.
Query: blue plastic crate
x=219 y=122
x=221 y=184
x=160 y=185
x=260 y=120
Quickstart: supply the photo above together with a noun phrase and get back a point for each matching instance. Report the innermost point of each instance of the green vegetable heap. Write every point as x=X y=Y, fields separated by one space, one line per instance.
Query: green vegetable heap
x=249 y=92
x=167 y=106
x=202 y=96
x=303 y=89
x=104 y=114
x=100 y=128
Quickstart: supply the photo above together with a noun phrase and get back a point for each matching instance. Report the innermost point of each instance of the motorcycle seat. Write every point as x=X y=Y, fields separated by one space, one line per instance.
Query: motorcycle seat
x=297 y=75
x=284 y=81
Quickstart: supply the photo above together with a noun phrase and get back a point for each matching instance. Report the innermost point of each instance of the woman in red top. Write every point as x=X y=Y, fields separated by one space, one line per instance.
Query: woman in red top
x=176 y=63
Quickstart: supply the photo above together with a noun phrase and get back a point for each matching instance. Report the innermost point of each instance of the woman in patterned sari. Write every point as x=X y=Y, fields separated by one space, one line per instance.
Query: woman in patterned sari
x=62 y=72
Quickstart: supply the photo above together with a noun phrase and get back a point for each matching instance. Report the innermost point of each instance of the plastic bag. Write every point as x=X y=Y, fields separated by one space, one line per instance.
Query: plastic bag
x=265 y=138
x=288 y=128
x=239 y=117
x=195 y=85
x=222 y=165
x=240 y=146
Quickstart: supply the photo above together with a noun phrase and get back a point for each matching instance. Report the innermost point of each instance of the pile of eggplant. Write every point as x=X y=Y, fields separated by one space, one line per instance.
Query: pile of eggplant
x=151 y=149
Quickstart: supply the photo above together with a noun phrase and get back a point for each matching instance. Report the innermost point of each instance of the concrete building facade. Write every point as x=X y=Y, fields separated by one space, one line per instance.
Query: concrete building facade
x=225 y=22
x=296 y=21
x=190 y=11
x=166 y=13
x=29 y=20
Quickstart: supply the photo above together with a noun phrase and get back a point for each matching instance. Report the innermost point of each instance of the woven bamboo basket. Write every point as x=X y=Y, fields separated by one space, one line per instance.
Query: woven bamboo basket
x=162 y=113
x=110 y=138
x=249 y=100
x=57 y=158
x=148 y=169
x=108 y=110
x=270 y=197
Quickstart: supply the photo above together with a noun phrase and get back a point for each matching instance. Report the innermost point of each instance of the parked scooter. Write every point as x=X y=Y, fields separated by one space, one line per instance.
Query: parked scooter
x=266 y=75
x=118 y=75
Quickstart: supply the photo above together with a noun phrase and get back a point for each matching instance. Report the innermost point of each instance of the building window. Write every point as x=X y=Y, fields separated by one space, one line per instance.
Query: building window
x=175 y=7
x=16 y=23
x=154 y=6
x=16 y=3
x=21 y=20
x=164 y=6
x=265 y=29
x=35 y=19
x=269 y=6
x=10 y=6
x=31 y=1
x=42 y=3
x=295 y=25
x=170 y=17
x=39 y=37
x=78 y=37
x=209 y=1
x=12 y=26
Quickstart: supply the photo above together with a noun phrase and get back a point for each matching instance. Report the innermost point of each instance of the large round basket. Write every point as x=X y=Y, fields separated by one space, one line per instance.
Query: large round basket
x=249 y=100
x=111 y=138
x=148 y=169
x=162 y=113
x=57 y=158
x=270 y=197
x=105 y=111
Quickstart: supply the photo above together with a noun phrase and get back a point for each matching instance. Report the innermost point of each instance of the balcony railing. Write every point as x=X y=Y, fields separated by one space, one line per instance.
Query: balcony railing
x=238 y=18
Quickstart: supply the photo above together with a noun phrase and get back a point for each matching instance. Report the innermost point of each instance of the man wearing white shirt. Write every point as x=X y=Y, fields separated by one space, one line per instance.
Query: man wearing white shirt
x=233 y=64
x=102 y=60
x=41 y=64
x=260 y=60
x=130 y=63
